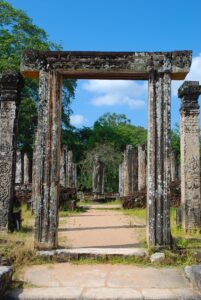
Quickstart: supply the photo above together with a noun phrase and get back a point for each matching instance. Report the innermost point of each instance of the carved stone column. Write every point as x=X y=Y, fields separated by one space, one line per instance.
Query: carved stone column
x=26 y=168
x=142 y=165
x=10 y=90
x=173 y=165
x=18 y=172
x=130 y=170
x=64 y=166
x=47 y=163
x=190 y=155
x=158 y=160
x=98 y=176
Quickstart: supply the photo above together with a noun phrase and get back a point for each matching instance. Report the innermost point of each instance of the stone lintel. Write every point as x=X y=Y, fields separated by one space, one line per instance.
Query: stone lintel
x=10 y=86
x=189 y=93
x=106 y=65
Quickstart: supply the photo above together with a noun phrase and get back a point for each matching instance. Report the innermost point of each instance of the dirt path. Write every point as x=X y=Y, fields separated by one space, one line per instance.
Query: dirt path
x=101 y=228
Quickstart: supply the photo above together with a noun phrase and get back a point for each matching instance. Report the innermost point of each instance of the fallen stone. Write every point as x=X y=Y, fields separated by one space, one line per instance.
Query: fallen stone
x=193 y=273
x=156 y=257
x=5 y=278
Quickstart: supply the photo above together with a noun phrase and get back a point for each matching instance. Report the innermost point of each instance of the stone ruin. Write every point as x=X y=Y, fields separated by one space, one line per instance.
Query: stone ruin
x=10 y=93
x=137 y=172
x=22 y=168
x=128 y=172
x=98 y=176
x=159 y=68
x=190 y=155
x=68 y=169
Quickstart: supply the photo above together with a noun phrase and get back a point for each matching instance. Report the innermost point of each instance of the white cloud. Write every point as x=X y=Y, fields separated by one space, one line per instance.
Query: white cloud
x=77 y=120
x=194 y=74
x=132 y=93
x=117 y=92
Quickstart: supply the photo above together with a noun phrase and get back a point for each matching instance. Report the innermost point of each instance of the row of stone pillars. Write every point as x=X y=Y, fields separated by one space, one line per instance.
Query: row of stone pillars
x=22 y=168
x=68 y=169
x=133 y=170
x=47 y=156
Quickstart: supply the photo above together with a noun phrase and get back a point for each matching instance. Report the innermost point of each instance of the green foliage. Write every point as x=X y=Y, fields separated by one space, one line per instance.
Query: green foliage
x=111 y=160
x=175 y=141
x=17 y=33
x=27 y=113
x=117 y=130
x=107 y=138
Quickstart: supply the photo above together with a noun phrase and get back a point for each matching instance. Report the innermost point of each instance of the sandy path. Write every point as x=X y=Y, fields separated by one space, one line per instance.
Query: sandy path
x=101 y=228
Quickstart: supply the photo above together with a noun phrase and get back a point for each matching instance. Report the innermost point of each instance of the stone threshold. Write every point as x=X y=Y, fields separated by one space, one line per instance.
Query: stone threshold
x=106 y=293
x=77 y=253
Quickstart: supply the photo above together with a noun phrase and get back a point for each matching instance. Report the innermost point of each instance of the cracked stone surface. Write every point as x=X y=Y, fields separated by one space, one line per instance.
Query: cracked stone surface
x=66 y=281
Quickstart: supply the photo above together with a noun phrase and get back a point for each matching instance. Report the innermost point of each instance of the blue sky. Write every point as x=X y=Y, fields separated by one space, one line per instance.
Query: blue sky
x=116 y=25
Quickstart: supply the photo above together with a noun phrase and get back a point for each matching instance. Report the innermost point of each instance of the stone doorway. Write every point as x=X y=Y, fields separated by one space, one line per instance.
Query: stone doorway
x=159 y=68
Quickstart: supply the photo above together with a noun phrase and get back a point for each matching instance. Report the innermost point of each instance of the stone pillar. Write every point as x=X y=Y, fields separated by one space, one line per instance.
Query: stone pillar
x=121 y=180
x=130 y=170
x=47 y=163
x=18 y=172
x=26 y=168
x=10 y=90
x=158 y=160
x=98 y=176
x=75 y=175
x=190 y=155
x=64 y=166
x=173 y=166
x=142 y=165
x=71 y=171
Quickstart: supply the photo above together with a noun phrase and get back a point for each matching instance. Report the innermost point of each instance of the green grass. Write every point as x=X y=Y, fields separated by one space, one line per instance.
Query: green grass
x=191 y=240
x=138 y=212
x=181 y=239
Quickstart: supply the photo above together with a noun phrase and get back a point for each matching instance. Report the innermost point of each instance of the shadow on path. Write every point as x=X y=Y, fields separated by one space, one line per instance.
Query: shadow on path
x=97 y=228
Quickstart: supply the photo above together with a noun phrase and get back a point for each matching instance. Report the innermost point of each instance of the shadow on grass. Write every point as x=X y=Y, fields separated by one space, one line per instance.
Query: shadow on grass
x=65 y=212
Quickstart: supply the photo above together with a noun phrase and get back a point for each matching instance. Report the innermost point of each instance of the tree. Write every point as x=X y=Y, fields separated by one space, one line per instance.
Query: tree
x=175 y=142
x=17 y=33
x=107 y=138
x=117 y=130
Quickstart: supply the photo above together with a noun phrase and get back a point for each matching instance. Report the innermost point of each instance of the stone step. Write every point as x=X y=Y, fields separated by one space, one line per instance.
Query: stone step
x=105 y=293
x=77 y=253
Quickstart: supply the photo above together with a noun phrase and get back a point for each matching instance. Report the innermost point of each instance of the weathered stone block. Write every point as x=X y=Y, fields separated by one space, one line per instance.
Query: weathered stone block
x=10 y=92
x=5 y=278
x=142 y=165
x=46 y=189
x=158 y=161
x=107 y=65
